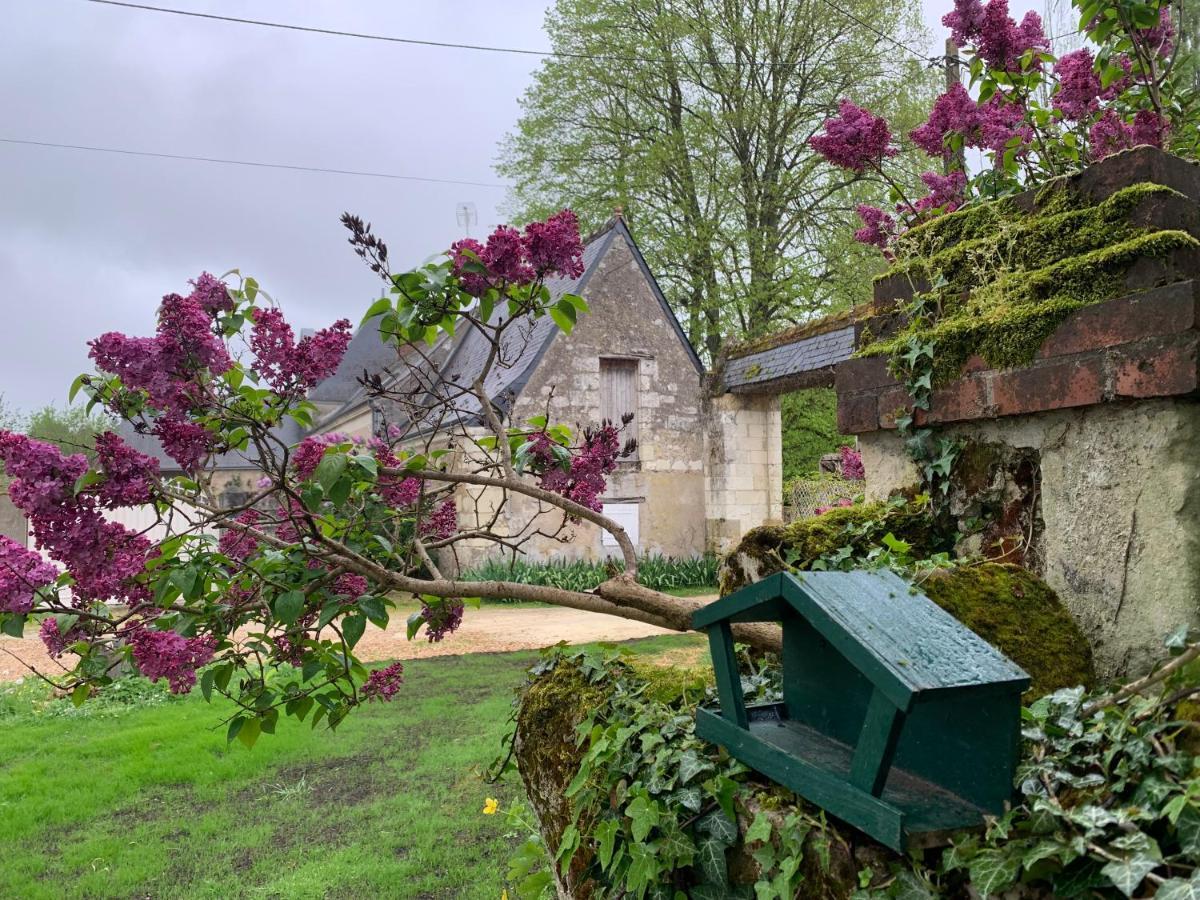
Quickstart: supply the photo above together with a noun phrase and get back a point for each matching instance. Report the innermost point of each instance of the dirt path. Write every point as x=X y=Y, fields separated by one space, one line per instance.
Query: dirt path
x=492 y=629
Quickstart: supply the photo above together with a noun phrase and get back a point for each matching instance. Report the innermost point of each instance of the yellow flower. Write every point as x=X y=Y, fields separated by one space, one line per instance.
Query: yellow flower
x=503 y=895
x=490 y=805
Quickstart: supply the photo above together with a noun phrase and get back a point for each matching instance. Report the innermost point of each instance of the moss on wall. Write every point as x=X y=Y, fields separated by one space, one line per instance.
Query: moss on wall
x=1005 y=281
x=1013 y=609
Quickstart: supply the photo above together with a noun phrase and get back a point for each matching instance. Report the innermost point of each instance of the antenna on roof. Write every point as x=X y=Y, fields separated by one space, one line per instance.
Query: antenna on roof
x=466 y=215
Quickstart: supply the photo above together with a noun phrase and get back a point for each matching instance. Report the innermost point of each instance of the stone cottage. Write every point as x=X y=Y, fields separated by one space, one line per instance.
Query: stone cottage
x=627 y=355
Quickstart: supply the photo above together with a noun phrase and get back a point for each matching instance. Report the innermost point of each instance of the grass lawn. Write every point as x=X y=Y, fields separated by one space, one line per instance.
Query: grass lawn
x=152 y=802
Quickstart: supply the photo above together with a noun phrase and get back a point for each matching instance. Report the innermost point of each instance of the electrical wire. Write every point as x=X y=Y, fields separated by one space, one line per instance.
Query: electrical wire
x=485 y=48
x=253 y=163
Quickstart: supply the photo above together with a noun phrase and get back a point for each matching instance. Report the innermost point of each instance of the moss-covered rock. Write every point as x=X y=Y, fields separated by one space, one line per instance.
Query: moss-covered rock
x=772 y=548
x=548 y=756
x=1014 y=610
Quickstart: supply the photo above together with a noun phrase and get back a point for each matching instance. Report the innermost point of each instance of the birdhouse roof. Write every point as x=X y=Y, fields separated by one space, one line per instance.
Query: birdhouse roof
x=897 y=637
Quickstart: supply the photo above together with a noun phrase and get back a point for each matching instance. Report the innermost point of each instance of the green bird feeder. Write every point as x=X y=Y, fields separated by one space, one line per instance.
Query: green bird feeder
x=895 y=717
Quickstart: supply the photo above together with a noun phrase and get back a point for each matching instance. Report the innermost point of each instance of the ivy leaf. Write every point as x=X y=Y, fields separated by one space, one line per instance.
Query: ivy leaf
x=689 y=798
x=1188 y=829
x=691 y=765
x=711 y=857
x=1127 y=874
x=1178 y=889
x=719 y=826
x=992 y=871
x=759 y=830
x=606 y=836
x=910 y=886
x=644 y=814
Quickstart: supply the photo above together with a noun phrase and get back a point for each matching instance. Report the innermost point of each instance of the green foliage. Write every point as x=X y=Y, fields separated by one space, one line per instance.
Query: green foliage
x=736 y=215
x=1111 y=801
x=655 y=810
x=660 y=573
x=809 y=430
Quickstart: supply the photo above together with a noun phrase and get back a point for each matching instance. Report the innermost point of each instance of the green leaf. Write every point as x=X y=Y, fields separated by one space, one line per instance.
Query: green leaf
x=353 y=627
x=235 y=726
x=1178 y=889
x=80 y=693
x=340 y=492
x=606 y=837
x=289 y=606
x=711 y=858
x=644 y=814
x=562 y=319
x=1128 y=874
x=206 y=683
x=374 y=609
x=380 y=306
x=415 y=621
x=75 y=386
x=249 y=732
x=1187 y=827
x=691 y=765
x=330 y=469
x=720 y=826
x=759 y=830
x=992 y=871
x=12 y=624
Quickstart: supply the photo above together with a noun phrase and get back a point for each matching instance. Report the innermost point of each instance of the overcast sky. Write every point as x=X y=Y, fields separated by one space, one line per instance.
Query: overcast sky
x=90 y=241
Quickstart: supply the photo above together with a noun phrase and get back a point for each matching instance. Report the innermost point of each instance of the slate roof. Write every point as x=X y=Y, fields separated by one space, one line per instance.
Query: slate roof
x=524 y=344
x=288 y=432
x=366 y=351
x=810 y=354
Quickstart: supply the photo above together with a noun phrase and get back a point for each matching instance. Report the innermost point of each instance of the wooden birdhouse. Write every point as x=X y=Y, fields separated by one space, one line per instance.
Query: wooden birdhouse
x=895 y=717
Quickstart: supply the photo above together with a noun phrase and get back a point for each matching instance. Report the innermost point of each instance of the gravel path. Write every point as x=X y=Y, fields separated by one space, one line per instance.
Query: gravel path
x=492 y=629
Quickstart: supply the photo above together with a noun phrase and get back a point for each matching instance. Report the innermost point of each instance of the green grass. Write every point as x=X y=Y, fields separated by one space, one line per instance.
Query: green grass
x=150 y=801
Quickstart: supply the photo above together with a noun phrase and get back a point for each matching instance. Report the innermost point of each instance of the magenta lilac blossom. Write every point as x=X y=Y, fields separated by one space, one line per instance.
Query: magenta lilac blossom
x=854 y=139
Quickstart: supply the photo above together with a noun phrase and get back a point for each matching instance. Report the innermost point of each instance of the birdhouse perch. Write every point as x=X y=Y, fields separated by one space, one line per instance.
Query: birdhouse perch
x=895 y=717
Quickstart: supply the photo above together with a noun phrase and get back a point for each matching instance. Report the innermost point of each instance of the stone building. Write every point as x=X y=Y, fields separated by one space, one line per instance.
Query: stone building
x=627 y=355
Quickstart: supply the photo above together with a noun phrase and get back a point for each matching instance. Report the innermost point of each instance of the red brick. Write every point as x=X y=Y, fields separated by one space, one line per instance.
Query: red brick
x=893 y=402
x=862 y=374
x=1078 y=382
x=962 y=401
x=1165 y=367
x=892 y=290
x=1166 y=310
x=857 y=413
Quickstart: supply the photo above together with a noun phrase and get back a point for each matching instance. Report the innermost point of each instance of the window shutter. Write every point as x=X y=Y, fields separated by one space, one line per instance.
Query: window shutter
x=619 y=393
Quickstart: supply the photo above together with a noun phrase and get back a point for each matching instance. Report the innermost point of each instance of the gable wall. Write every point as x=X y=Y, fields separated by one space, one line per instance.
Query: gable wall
x=667 y=481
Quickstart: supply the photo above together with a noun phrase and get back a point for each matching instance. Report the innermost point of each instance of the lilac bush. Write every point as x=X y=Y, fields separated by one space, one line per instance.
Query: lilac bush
x=1118 y=93
x=264 y=601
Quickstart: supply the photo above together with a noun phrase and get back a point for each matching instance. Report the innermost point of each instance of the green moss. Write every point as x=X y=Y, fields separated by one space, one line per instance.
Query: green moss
x=1009 y=280
x=803 y=542
x=1018 y=613
x=673 y=684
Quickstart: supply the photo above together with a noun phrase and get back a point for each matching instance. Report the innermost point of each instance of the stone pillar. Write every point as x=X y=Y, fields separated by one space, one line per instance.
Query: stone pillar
x=743 y=481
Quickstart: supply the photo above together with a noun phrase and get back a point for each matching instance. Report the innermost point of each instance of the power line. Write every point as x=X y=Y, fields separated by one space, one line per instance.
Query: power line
x=253 y=163
x=485 y=48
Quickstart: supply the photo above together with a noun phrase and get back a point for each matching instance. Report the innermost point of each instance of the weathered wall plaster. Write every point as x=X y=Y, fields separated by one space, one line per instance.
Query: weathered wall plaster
x=1120 y=500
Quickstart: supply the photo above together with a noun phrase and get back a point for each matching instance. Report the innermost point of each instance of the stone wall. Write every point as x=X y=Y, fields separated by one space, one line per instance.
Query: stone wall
x=12 y=521
x=1118 y=498
x=743 y=480
x=1080 y=463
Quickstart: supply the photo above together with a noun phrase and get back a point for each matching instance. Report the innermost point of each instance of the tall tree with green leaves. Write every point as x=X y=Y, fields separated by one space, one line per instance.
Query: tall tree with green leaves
x=693 y=116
